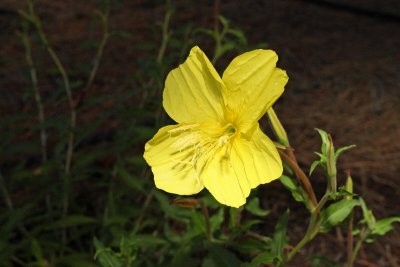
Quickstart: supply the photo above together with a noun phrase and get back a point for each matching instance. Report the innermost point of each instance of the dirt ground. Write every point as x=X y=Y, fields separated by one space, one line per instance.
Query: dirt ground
x=343 y=68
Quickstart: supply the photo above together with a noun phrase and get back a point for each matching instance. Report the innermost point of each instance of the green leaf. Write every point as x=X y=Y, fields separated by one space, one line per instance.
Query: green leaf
x=224 y=21
x=235 y=216
x=171 y=211
x=343 y=149
x=385 y=225
x=239 y=35
x=318 y=261
x=369 y=217
x=106 y=256
x=208 y=262
x=279 y=240
x=245 y=226
x=254 y=208
x=198 y=222
x=71 y=221
x=324 y=138
x=293 y=187
x=217 y=219
x=221 y=256
x=313 y=166
x=144 y=241
x=336 y=213
x=130 y=179
x=38 y=253
x=76 y=260
x=205 y=31
x=252 y=246
x=264 y=258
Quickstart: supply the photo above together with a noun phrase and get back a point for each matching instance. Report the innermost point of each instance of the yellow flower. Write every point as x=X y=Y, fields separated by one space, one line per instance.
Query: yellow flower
x=217 y=143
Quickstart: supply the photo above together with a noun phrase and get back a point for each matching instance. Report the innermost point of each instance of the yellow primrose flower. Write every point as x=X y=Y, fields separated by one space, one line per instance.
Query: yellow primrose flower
x=217 y=143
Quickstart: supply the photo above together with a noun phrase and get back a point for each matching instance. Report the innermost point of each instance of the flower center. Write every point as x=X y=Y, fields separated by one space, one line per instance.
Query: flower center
x=228 y=132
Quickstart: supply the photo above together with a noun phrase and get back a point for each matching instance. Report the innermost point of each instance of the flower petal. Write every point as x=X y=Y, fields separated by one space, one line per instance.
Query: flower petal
x=170 y=153
x=253 y=84
x=192 y=92
x=234 y=171
x=257 y=161
x=221 y=180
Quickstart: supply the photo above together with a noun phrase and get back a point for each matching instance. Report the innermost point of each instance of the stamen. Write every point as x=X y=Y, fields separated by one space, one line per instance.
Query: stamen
x=223 y=140
x=191 y=139
x=183 y=128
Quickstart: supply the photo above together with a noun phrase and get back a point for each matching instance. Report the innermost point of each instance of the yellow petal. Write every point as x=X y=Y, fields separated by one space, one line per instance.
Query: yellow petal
x=170 y=154
x=256 y=160
x=221 y=180
x=192 y=92
x=234 y=170
x=253 y=84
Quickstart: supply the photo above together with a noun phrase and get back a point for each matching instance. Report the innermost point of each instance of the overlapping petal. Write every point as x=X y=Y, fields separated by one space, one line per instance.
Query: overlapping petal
x=253 y=83
x=222 y=181
x=234 y=170
x=257 y=160
x=192 y=92
x=169 y=153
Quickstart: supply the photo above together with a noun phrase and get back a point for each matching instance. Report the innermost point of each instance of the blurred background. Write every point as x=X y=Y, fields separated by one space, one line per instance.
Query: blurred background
x=57 y=195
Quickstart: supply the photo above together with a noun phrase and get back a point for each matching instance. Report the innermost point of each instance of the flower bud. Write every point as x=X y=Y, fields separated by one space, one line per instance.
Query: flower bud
x=331 y=165
x=277 y=127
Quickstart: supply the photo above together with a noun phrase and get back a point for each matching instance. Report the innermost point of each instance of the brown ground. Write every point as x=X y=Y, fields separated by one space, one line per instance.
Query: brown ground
x=343 y=69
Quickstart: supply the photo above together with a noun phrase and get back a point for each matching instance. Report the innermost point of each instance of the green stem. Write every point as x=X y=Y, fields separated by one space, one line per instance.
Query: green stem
x=71 y=137
x=350 y=240
x=38 y=98
x=165 y=34
x=10 y=205
x=37 y=23
x=217 y=35
x=207 y=219
x=98 y=56
x=312 y=229
x=363 y=235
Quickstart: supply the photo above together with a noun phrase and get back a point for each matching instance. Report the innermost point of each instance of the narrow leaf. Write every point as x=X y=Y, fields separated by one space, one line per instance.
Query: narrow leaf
x=385 y=225
x=343 y=149
x=254 y=208
x=368 y=215
x=70 y=221
x=313 y=166
x=279 y=240
x=336 y=213
x=222 y=257
x=106 y=256
x=263 y=258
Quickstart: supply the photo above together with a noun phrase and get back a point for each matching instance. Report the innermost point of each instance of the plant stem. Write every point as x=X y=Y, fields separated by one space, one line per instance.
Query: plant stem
x=37 y=23
x=98 y=56
x=165 y=33
x=350 y=241
x=206 y=218
x=363 y=235
x=72 y=120
x=312 y=229
x=38 y=98
x=9 y=203
x=301 y=176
